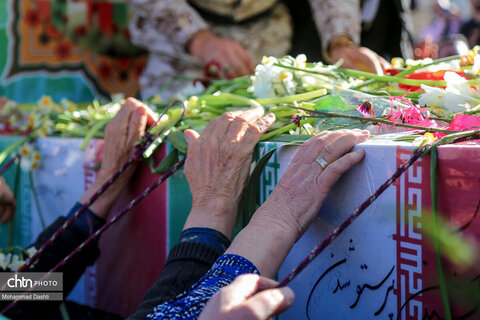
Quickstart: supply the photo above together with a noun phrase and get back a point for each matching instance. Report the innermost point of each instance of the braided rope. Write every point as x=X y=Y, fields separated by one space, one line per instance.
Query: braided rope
x=97 y=233
x=136 y=157
x=458 y=137
x=9 y=163
x=337 y=231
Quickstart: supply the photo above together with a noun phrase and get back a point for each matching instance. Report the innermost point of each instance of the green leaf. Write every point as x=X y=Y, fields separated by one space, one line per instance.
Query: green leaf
x=4 y=154
x=93 y=131
x=249 y=203
x=178 y=141
x=332 y=103
x=169 y=161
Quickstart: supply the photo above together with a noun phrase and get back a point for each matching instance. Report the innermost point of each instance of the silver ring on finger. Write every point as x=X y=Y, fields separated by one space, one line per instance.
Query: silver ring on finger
x=322 y=162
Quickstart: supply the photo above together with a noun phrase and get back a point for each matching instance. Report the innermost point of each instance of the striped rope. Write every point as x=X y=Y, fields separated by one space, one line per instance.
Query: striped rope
x=111 y=221
x=458 y=137
x=337 y=231
x=9 y=163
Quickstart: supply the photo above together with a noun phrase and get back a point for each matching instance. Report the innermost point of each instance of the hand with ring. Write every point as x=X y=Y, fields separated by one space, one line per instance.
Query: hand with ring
x=295 y=201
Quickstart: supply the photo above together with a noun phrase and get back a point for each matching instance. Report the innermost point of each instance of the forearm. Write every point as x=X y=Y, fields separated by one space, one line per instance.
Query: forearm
x=159 y=20
x=190 y=303
x=262 y=236
x=334 y=20
x=187 y=262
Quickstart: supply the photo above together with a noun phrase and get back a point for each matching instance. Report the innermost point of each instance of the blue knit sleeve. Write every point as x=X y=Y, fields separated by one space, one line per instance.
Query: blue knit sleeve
x=189 y=304
x=88 y=222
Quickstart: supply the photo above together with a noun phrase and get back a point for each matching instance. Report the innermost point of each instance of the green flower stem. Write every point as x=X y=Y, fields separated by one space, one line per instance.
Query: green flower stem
x=375 y=119
x=35 y=199
x=364 y=84
x=4 y=154
x=297 y=97
x=286 y=128
x=440 y=274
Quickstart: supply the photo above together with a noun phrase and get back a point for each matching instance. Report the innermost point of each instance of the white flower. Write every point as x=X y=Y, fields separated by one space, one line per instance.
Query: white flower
x=455 y=97
x=16 y=263
x=476 y=64
x=3 y=261
x=262 y=81
x=269 y=61
x=117 y=97
x=433 y=96
x=300 y=61
x=193 y=89
x=31 y=251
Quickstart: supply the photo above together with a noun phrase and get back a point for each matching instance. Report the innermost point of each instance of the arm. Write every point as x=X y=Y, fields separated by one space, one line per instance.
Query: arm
x=216 y=187
x=158 y=21
x=7 y=202
x=177 y=23
x=340 y=27
x=121 y=135
x=276 y=226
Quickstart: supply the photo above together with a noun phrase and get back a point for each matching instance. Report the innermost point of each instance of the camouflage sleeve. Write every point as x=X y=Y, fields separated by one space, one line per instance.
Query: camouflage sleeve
x=155 y=22
x=334 y=18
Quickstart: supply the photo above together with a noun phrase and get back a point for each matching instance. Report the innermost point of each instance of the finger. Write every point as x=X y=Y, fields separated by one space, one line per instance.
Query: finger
x=256 y=130
x=242 y=121
x=310 y=150
x=342 y=145
x=267 y=303
x=369 y=63
x=238 y=67
x=247 y=285
x=137 y=125
x=384 y=64
x=191 y=135
x=246 y=59
x=151 y=115
x=335 y=170
x=7 y=213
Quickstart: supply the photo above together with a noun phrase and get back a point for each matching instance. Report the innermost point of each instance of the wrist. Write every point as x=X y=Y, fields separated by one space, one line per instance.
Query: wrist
x=337 y=42
x=218 y=214
x=101 y=207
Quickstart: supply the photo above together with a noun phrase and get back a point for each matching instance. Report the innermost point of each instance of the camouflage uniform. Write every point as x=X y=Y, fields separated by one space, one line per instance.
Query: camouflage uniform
x=165 y=27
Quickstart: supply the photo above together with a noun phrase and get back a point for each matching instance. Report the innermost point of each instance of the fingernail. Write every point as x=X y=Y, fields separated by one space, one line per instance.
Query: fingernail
x=288 y=294
x=270 y=115
x=360 y=152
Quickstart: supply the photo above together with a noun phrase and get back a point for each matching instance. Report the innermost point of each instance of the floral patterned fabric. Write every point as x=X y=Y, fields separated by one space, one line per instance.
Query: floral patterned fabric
x=165 y=28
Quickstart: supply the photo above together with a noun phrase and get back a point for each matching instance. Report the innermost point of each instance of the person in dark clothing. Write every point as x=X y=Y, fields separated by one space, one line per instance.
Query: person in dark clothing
x=216 y=188
x=471 y=29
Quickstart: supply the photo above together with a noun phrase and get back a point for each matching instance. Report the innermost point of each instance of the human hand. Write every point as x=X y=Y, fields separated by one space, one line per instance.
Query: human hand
x=230 y=54
x=217 y=166
x=359 y=58
x=300 y=192
x=121 y=135
x=7 y=202
x=249 y=297
x=297 y=198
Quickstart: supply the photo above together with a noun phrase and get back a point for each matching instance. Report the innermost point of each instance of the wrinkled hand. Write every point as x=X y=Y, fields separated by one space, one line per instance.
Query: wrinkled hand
x=360 y=58
x=249 y=297
x=121 y=135
x=300 y=192
x=218 y=164
x=295 y=201
x=230 y=54
x=7 y=202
